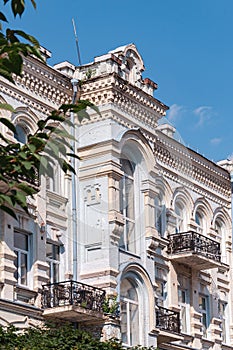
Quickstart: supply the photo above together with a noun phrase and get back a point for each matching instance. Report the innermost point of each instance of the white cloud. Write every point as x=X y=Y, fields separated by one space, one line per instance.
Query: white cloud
x=174 y=112
x=216 y=141
x=204 y=113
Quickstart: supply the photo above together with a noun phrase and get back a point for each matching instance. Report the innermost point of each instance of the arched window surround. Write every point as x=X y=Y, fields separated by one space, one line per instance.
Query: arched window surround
x=223 y=230
x=202 y=216
x=182 y=205
x=26 y=121
x=136 y=150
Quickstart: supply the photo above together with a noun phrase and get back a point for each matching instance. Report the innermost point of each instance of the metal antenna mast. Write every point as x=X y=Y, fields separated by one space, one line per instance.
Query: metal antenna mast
x=76 y=41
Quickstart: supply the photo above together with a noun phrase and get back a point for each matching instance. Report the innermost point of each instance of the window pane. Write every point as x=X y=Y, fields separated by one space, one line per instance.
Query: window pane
x=134 y=324
x=183 y=319
x=124 y=322
x=49 y=251
x=24 y=268
x=56 y=252
x=129 y=198
x=129 y=313
x=130 y=233
x=21 y=134
x=55 y=272
x=16 y=263
x=20 y=241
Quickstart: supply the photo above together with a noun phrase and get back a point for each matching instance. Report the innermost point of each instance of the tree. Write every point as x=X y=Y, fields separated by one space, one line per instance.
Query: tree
x=21 y=164
x=56 y=337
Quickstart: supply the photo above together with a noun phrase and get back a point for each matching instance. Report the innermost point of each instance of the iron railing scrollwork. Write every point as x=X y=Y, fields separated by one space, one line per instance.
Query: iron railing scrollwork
x=196 y=243
x=72 y=293
x=167 y=320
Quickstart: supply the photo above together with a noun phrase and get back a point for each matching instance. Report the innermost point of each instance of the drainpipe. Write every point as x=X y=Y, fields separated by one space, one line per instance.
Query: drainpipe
x=74 y=83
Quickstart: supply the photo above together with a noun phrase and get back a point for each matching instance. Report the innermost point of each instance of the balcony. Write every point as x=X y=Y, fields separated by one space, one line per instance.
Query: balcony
x=73 y=301
x=195 y=250
x=168 y=323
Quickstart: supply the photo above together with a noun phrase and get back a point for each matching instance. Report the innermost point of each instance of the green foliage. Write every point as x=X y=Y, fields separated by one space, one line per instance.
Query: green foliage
x=21 y=165
x=111 y=305
x=55 y=337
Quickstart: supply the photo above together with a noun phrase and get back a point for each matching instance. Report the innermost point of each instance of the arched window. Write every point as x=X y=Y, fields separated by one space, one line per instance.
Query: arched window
x=180 y=212
x=21 y=133
x=220 y=229
x=160 y=215
x=200 y=221
x=129 y=313
x=127 y=206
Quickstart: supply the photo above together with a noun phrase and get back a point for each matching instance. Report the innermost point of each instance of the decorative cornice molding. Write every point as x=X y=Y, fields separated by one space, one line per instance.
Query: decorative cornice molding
x=111 y=89
x=40 y=87
x=194 y=171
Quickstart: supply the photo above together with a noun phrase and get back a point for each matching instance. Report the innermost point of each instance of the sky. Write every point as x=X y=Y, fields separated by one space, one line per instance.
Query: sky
x=186 y=45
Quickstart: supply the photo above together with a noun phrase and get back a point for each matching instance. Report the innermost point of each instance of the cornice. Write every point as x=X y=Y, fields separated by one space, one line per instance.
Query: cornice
x=111 y=89
x=40 y=87
x=184 y=165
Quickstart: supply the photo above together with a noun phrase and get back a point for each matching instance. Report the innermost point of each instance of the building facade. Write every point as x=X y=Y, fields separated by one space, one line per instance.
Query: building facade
x=146 y=223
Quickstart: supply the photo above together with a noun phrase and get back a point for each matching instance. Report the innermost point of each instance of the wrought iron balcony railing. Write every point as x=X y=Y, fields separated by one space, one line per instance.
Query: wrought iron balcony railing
x=167 y=320
x=72 y=293
x=196 y=243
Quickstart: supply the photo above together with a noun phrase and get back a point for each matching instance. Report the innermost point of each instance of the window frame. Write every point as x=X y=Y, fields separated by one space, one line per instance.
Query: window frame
x=128 y=239
x=160 y=215
x=181 y=220
x=205 y=312
x=52 y=262
x=18 y=260
x=128 y=302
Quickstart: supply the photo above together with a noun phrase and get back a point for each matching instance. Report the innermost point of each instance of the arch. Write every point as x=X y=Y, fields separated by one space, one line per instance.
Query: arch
x=202 y=215
x=24 y=116
x=184 y=196
x=182 y=205
x=131 y=51
x=165 y=188
x=223 y=228
x=136 y=147
x=203 y=205
x=221 y=214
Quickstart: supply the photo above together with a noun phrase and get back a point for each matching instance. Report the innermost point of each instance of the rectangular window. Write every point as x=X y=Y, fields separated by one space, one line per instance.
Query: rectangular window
x=183 y=298
x=204 y=309
x=222 y=305
x=161 y=278
x=53 y=259
x=160 y=217
x=21 y=249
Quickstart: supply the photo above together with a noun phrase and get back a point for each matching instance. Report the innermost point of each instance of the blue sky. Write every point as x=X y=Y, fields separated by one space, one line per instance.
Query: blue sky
x=186 y=45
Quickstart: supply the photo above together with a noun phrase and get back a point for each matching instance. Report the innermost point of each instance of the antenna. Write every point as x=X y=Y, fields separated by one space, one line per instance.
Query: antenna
x=76 y=41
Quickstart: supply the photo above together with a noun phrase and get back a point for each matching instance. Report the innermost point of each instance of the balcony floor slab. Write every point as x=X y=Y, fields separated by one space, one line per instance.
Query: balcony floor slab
x=74 y=313
x=195 y=260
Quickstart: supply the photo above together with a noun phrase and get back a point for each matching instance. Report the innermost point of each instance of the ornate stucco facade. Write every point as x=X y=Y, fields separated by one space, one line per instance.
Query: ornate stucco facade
x=146 y=220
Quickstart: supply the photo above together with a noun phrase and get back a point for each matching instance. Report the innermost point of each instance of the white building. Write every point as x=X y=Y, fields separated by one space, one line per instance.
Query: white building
x=151 y=225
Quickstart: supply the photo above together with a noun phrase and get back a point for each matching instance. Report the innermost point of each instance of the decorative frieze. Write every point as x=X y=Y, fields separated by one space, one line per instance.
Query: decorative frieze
x=179 y=163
